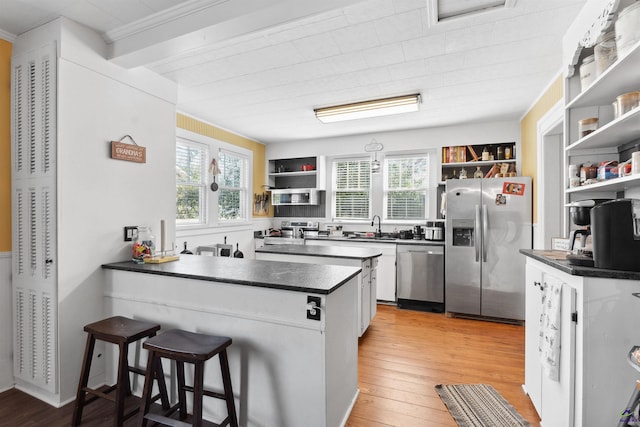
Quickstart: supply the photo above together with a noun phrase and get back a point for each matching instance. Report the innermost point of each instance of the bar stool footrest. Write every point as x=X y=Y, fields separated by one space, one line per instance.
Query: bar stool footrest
x=157 y=418
x=209 y=393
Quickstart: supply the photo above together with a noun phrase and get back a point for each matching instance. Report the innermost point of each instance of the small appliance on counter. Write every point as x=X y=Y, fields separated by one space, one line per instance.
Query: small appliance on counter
x=418 y=232
x=405 y=234
x=581 y=250
x=434 y=230
x=615 y=226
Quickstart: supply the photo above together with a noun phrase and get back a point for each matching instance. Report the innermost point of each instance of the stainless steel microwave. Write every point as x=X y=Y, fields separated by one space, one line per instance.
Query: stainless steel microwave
x=295 y=196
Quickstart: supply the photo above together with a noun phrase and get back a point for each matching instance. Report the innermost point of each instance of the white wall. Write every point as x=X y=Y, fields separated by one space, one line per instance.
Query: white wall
x=6 y=323
x=98 y=196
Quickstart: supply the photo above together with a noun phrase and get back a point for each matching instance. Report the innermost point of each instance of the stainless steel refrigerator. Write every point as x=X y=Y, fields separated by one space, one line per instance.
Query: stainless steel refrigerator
x=487 y=222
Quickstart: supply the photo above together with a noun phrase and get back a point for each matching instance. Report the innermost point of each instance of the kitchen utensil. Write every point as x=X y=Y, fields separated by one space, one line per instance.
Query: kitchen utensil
x=238 y=253
x=214 y=184
x=225 y=251
x=185 y=250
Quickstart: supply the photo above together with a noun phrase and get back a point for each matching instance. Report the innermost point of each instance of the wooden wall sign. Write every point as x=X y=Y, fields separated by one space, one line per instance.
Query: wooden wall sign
x=128 y=152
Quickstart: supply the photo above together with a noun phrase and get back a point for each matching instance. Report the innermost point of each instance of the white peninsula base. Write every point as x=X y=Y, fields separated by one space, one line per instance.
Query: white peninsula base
x=286 y=370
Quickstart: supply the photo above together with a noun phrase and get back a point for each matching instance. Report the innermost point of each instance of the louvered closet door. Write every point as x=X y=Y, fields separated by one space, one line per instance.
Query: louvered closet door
x=33 y=91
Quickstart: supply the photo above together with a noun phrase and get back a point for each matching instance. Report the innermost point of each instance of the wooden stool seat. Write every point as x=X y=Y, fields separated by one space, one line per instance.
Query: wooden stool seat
x=188 y=347
x=121 y=331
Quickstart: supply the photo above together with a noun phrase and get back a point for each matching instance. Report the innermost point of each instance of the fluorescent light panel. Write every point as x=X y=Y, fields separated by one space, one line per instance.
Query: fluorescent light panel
x=366 y=109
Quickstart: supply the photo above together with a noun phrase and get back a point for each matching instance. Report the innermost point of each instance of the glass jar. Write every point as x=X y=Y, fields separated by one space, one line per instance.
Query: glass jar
x=500 y=152
x=478 y=173
x=463 y=173
x=507 y=152
x=144 y=246
x=627 y=102
x=587 y=72
x=586 y=126
x=605 y=52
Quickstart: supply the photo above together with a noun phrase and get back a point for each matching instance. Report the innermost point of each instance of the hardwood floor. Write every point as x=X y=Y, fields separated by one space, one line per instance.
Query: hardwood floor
x=402 y=356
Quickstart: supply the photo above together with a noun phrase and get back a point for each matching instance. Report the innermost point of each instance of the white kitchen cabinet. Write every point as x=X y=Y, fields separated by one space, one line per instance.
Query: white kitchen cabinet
x=385 y=271
x=366 y=281
x=593 y=363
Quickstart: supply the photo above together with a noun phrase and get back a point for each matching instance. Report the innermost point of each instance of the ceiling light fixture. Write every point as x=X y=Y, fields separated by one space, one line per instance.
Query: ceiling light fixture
x=366 y=109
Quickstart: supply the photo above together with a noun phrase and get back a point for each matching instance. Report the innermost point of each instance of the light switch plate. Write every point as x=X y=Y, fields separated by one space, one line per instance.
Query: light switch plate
x=130 y=233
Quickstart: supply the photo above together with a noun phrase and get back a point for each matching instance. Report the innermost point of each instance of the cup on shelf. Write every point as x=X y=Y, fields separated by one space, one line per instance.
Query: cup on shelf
x=635 y=162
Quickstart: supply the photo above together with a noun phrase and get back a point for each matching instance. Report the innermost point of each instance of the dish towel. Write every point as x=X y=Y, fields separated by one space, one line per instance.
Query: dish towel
x=549 y=344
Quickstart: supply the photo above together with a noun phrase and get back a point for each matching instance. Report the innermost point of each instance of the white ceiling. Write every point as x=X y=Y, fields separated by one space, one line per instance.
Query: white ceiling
x=260 y=67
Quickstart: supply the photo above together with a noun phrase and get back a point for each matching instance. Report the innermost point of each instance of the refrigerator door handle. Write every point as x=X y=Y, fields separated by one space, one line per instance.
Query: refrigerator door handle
x=476 y=240
x=485 y=229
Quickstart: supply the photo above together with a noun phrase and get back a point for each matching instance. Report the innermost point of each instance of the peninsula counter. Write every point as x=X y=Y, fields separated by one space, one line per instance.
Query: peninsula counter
x=286 y=369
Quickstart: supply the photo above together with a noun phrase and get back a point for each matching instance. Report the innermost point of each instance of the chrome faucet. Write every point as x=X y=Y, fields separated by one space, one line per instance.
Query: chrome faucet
x=379 y=230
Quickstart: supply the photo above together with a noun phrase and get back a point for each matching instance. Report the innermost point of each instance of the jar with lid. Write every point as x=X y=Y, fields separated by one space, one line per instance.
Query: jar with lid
x=605 y=52
x=485 y=154
x=627 y=28
x=574 y=176
x=500 y=153
x=507 y=152
x=586 y=126
x=627 y=102
x=144 y=246
x=478 y=173
x=587 y=72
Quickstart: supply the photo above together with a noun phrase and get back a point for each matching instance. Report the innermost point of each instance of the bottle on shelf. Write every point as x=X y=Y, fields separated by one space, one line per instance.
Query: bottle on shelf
x=463 y=173
x=485 y=154
x=500 y=153
x=478 y=173
x=507 y=152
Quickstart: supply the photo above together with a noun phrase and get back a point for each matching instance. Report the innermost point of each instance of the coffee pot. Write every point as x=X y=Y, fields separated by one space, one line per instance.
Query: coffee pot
x=417 y=232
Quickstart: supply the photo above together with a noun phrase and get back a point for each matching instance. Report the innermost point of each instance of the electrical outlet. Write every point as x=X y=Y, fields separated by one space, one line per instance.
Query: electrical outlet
x=313 y=307
x=130 y=233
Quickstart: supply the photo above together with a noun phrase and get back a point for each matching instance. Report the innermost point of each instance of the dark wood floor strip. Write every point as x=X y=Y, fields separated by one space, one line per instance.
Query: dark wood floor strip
x=402 y=356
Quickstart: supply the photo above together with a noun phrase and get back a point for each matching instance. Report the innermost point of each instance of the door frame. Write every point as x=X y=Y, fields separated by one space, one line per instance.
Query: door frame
x=549 y=171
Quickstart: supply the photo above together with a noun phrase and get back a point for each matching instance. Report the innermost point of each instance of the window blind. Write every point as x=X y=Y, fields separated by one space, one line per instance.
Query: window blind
x=406 y=183
x=233 y=186
x=190 y=183
x=351 y=188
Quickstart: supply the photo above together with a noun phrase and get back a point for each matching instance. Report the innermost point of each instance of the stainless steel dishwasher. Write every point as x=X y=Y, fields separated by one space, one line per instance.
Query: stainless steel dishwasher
x=420 y=277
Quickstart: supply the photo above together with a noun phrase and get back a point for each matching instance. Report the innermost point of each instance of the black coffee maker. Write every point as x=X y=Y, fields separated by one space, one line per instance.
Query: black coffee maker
x=616 y=234
x=580 y=215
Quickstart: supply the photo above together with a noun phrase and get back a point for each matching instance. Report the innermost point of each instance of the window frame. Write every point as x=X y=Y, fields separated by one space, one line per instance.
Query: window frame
x=211 y=198
x=386 y=190
x=334 y=191
x=202 y=185
x=243 y=189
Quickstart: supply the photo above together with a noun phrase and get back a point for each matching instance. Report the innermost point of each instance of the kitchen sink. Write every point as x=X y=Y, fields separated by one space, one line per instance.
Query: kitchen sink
x=364 y=236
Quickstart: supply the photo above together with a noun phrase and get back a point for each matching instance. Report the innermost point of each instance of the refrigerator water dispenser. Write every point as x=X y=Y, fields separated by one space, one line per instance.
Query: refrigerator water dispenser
x=463 y=232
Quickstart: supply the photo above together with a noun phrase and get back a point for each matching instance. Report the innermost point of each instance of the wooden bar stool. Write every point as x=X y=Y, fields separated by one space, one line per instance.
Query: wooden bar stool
x=121 y=331
x=188 y=347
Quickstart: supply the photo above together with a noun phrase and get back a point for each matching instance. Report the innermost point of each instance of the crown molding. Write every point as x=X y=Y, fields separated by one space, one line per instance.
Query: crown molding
x=7 y=36
x=160 y=18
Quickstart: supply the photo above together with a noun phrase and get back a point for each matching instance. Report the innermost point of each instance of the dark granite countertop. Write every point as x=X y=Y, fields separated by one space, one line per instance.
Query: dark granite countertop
x=317 y=279
x=550 y=258
x=381 y=240
x=322 y=251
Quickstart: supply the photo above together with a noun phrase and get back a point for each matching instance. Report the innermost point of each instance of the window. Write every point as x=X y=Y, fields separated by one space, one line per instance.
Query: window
x=406 y=183
x=190 y=183
x=197 y=206
x=233 y=189
x=351 y=188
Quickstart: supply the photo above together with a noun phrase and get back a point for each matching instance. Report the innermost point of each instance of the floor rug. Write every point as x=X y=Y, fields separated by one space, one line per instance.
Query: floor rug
x=479 y=405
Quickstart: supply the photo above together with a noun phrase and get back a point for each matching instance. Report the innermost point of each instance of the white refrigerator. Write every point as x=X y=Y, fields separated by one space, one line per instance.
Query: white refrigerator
x=487 y=222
